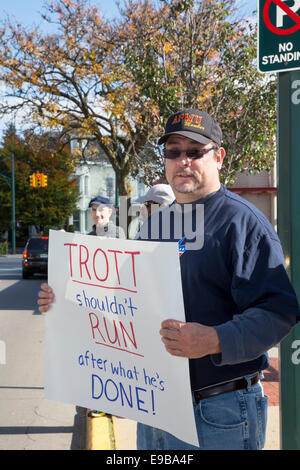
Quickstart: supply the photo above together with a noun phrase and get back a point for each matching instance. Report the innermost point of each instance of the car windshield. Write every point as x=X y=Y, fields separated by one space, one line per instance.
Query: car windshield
x=40 y=244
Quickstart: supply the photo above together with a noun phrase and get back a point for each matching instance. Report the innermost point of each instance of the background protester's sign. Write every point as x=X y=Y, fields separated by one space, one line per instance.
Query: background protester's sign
x=103 y=347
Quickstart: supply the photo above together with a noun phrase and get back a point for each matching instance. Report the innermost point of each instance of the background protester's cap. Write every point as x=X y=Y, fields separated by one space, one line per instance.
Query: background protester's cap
x=194 y=124
x=159 y=193
x=99 y=200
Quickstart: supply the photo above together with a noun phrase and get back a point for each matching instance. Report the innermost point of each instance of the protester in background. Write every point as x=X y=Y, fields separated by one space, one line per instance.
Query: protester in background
x=101 y=211
x=160 y=195
x=238 y=299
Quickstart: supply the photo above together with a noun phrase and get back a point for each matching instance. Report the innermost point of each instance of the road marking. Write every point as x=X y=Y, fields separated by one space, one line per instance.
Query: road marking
x=10 y=269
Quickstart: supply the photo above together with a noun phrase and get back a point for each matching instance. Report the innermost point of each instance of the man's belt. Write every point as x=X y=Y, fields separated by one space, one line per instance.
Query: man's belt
x=226 y=387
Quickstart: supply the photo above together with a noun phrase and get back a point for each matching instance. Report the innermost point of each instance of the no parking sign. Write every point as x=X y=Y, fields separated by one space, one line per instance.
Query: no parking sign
x=278 y=35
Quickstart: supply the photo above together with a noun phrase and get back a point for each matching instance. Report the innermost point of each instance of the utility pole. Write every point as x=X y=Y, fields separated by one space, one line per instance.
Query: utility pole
x=13 y=205
x=11 y=183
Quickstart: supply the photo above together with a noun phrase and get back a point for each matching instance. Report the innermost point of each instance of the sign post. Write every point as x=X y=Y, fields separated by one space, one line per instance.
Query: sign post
x=279 y=51
x=289 y=232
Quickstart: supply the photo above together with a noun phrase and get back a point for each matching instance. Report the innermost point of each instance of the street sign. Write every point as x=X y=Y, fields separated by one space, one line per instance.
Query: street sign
x=278 y=35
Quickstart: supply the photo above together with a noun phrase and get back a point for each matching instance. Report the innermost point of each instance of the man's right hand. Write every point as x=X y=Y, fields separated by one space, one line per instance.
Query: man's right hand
x=46 y=297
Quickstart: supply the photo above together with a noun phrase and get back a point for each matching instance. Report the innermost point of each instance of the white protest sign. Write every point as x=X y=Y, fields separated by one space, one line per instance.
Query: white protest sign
x=103 y=347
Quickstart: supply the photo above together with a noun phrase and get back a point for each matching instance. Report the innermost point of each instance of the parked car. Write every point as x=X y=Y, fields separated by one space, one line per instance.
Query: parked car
x=35 y=257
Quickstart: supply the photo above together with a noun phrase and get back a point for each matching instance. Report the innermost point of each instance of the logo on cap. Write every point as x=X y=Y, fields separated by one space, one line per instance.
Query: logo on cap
x=190 y=120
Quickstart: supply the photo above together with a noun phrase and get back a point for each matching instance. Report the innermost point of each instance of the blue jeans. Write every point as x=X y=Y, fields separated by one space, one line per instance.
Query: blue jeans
x=230 y=421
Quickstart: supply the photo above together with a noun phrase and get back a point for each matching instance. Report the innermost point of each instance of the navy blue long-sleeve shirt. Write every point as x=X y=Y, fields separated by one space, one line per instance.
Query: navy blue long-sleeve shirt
x=235 y=280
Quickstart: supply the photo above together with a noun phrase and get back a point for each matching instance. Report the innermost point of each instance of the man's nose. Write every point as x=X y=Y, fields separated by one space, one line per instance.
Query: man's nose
x=183 y=159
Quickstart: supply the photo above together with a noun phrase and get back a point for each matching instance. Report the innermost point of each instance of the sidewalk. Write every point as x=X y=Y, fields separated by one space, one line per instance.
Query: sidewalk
x=106 y=433
x=271 y=389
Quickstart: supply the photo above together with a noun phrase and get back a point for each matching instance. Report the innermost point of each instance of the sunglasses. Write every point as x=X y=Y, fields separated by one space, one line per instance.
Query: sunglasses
x=192 y=154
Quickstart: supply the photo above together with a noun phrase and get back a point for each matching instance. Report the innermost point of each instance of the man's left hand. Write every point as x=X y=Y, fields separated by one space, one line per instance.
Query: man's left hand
x=191 y=340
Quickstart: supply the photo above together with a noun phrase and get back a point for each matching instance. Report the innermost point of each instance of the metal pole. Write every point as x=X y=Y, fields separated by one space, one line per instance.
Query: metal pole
x=116 y=191
x=13 y=206
x=289 y=233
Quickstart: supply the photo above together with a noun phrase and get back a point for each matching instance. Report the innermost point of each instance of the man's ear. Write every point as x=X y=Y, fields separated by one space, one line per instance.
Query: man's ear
x=220 y=155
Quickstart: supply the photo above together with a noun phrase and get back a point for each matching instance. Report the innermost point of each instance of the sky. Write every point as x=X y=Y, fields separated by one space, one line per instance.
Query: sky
x=27 y=11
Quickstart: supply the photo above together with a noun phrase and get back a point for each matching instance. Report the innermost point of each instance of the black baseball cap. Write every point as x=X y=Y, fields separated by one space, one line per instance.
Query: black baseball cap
x=194 y=124
x=100 y=200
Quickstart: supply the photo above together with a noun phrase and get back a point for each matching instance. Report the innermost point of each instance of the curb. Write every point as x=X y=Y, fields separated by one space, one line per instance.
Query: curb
x=99 y=431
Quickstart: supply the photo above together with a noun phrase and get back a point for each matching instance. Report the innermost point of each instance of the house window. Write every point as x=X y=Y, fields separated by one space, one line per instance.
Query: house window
x=87 y=221
x=109 y=187
x=86 y=185
x=76 y=220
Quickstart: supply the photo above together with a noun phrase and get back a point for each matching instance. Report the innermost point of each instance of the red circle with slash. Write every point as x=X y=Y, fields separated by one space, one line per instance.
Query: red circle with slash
x=288 y=11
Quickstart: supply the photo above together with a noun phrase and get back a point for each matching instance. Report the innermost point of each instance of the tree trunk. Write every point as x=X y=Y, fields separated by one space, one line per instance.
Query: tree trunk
x=123 y=200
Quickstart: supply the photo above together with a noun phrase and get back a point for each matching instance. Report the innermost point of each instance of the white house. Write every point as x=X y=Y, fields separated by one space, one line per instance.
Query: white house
x=260 y=190
x=97 y=178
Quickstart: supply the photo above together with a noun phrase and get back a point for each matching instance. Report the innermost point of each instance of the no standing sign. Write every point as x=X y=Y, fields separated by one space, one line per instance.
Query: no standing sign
x=278 y=35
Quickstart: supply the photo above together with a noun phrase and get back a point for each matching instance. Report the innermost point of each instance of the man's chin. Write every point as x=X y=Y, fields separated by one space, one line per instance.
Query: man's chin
x=184 y=188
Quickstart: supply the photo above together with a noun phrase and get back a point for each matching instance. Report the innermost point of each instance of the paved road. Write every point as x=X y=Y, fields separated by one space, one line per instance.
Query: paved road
x=27 y=420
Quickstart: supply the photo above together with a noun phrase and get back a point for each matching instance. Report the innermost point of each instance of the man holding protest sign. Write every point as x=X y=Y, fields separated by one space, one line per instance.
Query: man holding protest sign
x=237 y=295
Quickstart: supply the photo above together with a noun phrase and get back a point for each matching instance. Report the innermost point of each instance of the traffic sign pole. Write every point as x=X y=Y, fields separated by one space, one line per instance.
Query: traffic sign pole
x=279 y=51
x=288 y=203
x=13 y=205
